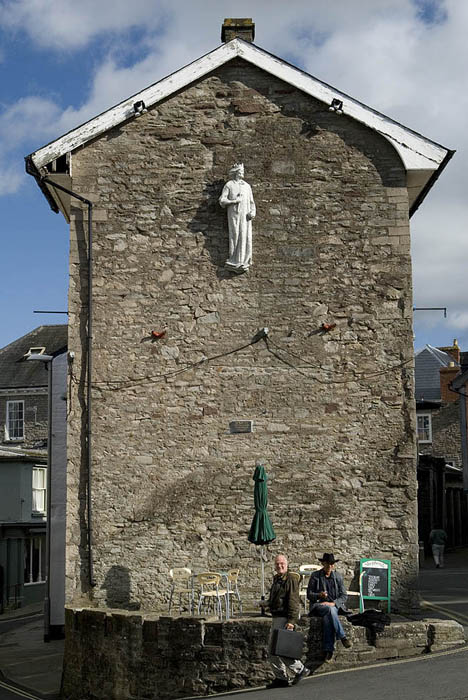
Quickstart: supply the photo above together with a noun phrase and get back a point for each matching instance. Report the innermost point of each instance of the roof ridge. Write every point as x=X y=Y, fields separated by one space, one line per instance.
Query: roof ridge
x=435 y=352
x=34 y=330
x=415 y=150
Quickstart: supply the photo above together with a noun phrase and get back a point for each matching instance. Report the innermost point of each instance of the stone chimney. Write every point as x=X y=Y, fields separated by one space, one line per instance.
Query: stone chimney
x=453 y=350
x=238 y=28
x=447 y=375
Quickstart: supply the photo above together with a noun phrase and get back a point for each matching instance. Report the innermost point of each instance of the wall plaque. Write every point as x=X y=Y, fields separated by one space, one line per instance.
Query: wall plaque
x=241 y=426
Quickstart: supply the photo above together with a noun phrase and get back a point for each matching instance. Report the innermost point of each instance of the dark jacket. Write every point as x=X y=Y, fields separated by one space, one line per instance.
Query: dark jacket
x=437 y=536
x=317 y=585
x=284 y=597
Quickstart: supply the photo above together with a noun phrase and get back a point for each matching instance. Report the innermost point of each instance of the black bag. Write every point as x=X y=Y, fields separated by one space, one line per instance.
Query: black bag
x=375 y=620
x=287 y=643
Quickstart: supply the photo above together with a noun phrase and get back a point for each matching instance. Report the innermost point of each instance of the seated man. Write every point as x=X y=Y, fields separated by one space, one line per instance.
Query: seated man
x=327 y=596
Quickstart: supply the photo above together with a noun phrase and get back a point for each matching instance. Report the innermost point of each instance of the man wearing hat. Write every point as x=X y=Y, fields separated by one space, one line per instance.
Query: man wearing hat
x=327 y=595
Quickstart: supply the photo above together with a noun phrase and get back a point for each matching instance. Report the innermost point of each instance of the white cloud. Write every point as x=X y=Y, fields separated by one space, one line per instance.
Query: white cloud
x=440 y=252
x=29 y=120
x=68 y=24
x=11 y=178
x=378 y=52
x=460 y=320
x=30 y=117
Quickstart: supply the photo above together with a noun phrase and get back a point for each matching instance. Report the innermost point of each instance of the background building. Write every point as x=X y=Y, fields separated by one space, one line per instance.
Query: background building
x=23 y=387
x=24 y=496
x=22 y=527
x=441 y=420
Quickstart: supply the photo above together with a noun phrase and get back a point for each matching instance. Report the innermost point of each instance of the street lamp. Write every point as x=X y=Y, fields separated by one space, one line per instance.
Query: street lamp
x=47 y=360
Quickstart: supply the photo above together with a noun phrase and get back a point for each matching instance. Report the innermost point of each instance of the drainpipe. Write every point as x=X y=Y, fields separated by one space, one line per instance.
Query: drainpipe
x=32 y=170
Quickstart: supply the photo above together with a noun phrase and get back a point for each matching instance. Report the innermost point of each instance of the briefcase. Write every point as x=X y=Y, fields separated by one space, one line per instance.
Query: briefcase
x=287 y=643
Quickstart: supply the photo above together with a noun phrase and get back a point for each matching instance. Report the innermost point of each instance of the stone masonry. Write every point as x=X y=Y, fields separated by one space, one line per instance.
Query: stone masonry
x=332 y=410
x=124 y=655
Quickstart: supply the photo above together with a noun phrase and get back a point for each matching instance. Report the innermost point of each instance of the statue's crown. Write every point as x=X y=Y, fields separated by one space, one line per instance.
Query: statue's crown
x=236 y=167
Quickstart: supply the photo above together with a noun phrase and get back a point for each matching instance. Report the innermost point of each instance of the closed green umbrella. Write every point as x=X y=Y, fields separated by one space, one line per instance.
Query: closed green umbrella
x=261 y=531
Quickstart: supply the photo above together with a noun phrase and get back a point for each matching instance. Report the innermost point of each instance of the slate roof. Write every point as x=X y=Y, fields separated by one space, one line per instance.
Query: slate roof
x=15 y=371
x=427 y=376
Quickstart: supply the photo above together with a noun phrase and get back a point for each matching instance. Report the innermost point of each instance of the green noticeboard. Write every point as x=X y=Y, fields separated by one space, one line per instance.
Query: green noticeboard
x=374 y=581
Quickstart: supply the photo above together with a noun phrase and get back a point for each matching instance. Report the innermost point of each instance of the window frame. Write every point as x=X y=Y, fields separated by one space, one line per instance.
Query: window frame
x=42 y=489
x=8 y=431
x=427 y=415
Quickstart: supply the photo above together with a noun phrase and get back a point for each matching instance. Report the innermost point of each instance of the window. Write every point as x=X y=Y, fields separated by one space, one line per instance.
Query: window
x=424 y=427
x=34 y=559
x=14 y=425
x=39 y=489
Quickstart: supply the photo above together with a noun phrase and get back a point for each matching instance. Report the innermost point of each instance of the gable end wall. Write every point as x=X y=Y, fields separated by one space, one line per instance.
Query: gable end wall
x=171 y=485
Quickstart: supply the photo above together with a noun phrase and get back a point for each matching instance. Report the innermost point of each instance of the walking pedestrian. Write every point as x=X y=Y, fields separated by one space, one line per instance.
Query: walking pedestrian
x=437 y=540
x=284 y=605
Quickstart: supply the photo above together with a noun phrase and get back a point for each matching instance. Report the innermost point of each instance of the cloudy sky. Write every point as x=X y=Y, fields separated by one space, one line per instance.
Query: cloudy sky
x=64 y=62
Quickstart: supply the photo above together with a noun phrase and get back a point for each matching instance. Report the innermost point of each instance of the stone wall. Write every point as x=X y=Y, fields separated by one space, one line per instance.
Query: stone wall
x=118 y=656
x=332 y=410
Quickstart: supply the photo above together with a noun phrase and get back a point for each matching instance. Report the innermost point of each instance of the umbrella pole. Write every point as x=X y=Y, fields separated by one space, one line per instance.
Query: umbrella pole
x=263 y=580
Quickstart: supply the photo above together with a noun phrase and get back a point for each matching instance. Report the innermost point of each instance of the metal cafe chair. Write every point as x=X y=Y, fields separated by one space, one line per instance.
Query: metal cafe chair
x=181 y=585
x=305 y=570
x=210 y=594
x=233 y=589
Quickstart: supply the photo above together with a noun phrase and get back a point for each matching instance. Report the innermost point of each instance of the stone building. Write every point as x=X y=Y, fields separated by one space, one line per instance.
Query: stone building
x=158 y=475
x=25 y=496
x=437 y=407
x=23 y=387
x=441 y=427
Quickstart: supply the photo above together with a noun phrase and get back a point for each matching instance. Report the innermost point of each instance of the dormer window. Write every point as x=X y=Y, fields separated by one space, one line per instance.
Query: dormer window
x=34 y=351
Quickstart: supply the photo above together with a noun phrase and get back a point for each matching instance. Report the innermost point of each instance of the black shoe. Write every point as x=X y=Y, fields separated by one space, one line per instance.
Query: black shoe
x=328 y=656
x=346 y=643
x=299 y=676
x=278 y=683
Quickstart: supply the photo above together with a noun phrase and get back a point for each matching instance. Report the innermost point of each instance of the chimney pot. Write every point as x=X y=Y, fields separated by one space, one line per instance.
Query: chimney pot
x=453 y=350
x=238 y=28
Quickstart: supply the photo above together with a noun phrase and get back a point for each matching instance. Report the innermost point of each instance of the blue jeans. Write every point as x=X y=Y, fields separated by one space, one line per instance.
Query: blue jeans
x=331 y=626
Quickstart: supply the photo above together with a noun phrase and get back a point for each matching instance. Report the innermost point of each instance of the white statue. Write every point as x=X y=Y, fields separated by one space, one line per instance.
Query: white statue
x=238 y=199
